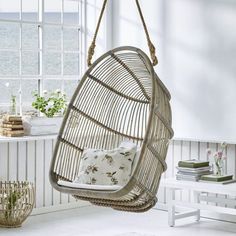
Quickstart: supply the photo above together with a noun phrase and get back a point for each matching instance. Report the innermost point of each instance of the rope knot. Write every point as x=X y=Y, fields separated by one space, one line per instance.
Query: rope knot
x=152 y=50
x=90 y=53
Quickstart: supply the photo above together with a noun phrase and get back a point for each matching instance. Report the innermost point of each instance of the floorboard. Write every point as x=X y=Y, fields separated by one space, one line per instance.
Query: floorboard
x=97 y=221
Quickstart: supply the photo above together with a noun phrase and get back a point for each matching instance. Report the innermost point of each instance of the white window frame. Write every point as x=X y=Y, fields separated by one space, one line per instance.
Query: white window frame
x=41 y=77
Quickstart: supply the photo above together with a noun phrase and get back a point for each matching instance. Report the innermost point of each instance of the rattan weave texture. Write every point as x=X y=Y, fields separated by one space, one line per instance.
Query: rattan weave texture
x=119 y=97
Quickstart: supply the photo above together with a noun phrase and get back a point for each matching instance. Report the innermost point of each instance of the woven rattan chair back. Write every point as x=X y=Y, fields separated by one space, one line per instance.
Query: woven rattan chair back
x=119 y=97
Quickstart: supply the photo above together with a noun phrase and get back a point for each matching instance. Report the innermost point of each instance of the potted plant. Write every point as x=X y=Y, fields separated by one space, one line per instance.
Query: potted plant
x=51 y=108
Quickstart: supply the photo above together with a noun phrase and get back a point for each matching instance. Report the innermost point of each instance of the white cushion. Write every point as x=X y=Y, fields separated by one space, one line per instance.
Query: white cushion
x=136 y=158
x=88 y=186
x=128 y=144
x=107 y=167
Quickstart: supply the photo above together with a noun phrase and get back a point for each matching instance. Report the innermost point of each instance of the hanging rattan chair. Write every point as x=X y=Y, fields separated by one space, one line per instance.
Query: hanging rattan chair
x=119 y=97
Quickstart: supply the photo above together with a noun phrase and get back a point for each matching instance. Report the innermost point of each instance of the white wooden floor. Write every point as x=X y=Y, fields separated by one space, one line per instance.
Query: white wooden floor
x=103 y=222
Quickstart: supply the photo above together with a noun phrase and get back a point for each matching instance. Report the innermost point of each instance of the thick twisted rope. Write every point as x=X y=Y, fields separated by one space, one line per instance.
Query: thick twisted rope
x=152 y=49
x=93 y=44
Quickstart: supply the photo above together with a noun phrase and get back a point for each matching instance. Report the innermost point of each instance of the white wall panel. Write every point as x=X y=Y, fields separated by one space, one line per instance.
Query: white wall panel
x=13 y=161
x=4 y=161
x=21 y=161
x=30 y=160
x=48 y=148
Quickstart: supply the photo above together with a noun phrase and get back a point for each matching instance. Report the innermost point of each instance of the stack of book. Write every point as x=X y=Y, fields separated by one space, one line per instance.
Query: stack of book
x=192 y=170
x=12 y=126
x=222 y=179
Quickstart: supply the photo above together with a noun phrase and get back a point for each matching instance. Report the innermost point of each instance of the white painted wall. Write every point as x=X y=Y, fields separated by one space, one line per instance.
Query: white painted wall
x=195 y=41
x=91 y=11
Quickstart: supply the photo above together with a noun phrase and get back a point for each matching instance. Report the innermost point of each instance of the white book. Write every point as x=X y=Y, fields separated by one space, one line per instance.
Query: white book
x=208 y=172
x=187 y=177
x=194 y=170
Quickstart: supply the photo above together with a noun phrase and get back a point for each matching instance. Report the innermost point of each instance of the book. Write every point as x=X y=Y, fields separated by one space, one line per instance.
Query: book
x=194 y=170
x=208 y=172
x=10 y=118
x=13 y=135
x=6 y=132
x=187 y=177
x=193 y=163
x=216 y=178
x=12 y=122
x=13 y=127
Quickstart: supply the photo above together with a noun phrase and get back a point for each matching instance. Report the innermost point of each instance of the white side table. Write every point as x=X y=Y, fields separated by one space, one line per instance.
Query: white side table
x=198 y=189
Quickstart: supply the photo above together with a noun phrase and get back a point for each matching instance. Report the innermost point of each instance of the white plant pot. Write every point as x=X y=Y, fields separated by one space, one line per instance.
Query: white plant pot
x=41 y=125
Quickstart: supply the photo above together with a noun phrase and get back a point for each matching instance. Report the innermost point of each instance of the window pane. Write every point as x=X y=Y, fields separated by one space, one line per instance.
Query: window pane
x=30 y=63
x=8 y=89
x=4 y=109
x=9 y=63
x=71 y=15
x=28 y=110
x=52 y=85
x=10 y=9
x=30 y=10
x=52 y=17
x=30 y=36
x=9 y=35
x=28 y=86
x=71 y=64
x=52 y=63
x=69 y=88
x=71 y=39
x=52 y=38
x=52 y=11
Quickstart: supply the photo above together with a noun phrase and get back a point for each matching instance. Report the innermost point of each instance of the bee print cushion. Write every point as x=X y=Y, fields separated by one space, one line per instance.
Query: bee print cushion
x=107 y=167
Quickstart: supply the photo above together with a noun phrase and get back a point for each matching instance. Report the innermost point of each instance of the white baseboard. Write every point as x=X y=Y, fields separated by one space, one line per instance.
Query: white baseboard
x=159 y=206
x=60 y=207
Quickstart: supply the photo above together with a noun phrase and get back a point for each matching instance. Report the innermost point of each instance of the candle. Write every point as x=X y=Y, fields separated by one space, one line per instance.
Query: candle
x=20 y=101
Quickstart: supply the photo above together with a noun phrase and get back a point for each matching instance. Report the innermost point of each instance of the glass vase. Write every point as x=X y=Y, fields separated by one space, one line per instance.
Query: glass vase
x=218 y=167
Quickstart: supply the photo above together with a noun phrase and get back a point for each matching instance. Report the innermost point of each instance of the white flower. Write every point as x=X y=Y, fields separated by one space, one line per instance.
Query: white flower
x=7 y=84
x=3 y=195
x=216 y=154
x=208 y=151
x=50 y=104
x=220 y=154
x=45 y=92
x=58 y=91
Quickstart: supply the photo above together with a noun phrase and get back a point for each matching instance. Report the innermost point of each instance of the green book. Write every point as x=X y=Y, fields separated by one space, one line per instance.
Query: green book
x=193 y=163
x=216 y=178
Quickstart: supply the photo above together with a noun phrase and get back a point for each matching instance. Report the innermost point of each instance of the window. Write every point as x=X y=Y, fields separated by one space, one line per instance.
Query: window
x=40 y=49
